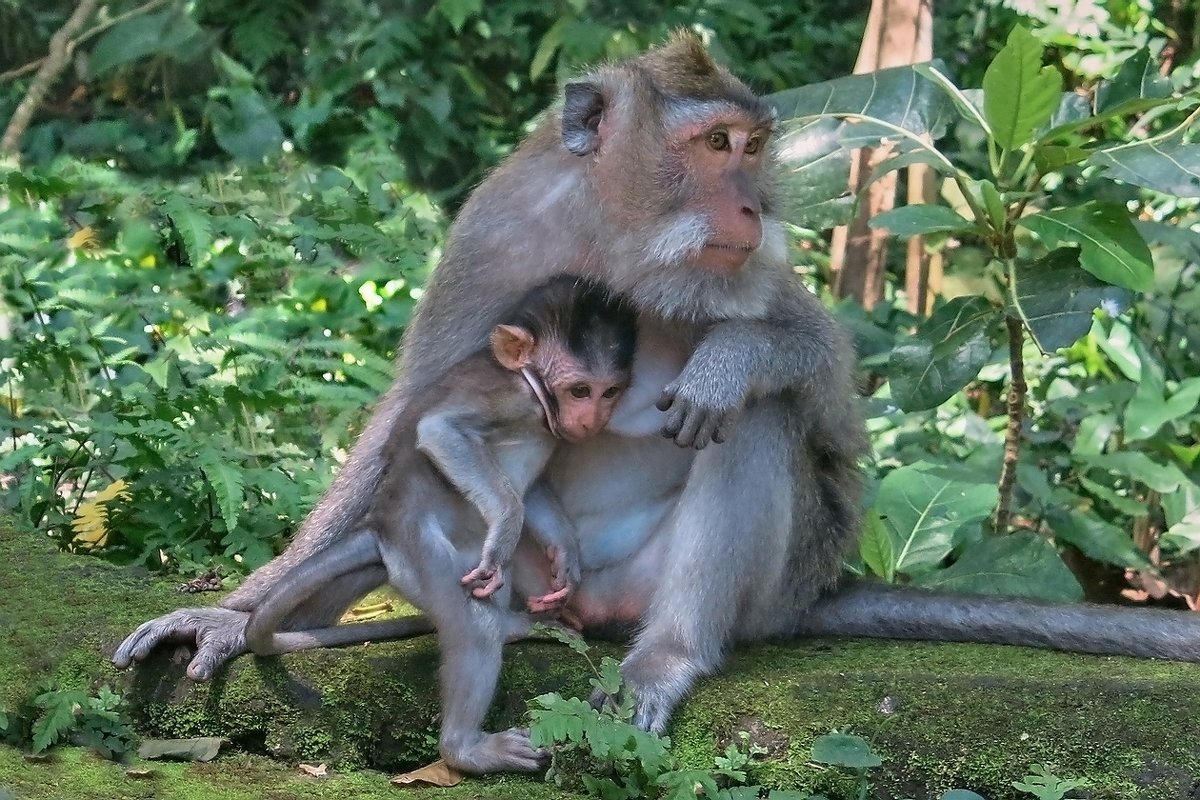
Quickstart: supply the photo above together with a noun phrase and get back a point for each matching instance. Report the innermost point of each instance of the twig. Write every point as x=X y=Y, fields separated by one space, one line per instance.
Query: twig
x=56 y=62
x=92 y=33
x=1012 y=436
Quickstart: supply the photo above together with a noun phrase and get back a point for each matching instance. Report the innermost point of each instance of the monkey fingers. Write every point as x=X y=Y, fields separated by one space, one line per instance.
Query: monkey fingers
x=217 y=634
x=492 y=579
x=551 y=601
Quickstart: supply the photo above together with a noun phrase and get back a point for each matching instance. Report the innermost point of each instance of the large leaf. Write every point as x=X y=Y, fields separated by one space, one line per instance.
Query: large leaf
x=243 y=125
x=844 y=750
x=814 y=122
x=875 y=547
x=1111 y=247
x=1171 y=167
x=1149 y=409
x=923 y=508
x=1056 y=298
x=1097 y=539
x=944 y=355
x=914 y=220
x=1021 y=564
x=165 y=33
x=1138 y=79
x=1163 y=478
x=1019 y=94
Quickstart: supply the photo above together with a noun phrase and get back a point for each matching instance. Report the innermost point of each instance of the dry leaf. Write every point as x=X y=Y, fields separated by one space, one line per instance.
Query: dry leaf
x=319 y=771
x=141 y=774
x=439 y=773
x=367 y=612
x=83 y=238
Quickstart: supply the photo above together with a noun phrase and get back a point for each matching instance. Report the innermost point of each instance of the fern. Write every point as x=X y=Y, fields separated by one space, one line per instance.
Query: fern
x=193 y=223
x=90 y=525
x=226 y=482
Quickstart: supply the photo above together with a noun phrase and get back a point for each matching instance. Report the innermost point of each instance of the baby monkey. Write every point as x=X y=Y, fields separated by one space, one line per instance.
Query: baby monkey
x=554 y=370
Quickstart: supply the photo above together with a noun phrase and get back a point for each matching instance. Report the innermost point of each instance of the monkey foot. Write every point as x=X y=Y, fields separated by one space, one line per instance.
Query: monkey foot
x=492 y=579
x=506 y=751
x=553 y=601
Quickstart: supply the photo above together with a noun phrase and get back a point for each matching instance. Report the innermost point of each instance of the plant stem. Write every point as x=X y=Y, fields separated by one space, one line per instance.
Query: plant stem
x=60 y=55
x=1012 y=435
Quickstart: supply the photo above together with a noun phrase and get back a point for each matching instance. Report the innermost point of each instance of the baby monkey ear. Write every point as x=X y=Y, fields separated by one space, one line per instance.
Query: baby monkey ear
x=512 y=346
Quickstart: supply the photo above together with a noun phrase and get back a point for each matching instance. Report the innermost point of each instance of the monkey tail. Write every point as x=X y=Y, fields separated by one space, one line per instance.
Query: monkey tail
x=352 y=633
x=879 y=611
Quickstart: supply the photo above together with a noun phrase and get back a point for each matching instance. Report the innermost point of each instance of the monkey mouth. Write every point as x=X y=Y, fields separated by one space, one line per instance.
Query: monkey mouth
x=724 y=257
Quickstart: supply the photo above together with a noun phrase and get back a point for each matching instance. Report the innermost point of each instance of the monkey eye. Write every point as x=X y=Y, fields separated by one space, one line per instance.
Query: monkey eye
x=580 y=391
x=753 y=144
x=611 y=392
x=718 y=140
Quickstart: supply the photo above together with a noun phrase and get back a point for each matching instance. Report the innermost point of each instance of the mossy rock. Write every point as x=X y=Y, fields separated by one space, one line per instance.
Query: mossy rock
x=941 y=716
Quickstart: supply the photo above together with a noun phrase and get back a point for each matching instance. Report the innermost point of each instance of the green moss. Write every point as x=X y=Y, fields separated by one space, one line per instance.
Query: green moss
x=76 y=774
x=941 y=715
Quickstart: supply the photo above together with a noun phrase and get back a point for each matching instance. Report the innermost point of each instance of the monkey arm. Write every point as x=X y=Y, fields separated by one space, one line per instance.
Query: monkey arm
x=797 y=345
x=453 y=442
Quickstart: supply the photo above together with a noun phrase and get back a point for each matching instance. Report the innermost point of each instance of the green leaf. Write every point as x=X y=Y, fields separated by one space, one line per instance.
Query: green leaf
x=915 y=220
x=1097 y=539
x=993 y=203
x=944 y=355
x=844 y=750
x=194 y=225
x=961 y=99
x=875 y=547
x=1121 y=502
x=814 y=123
x=1138 y=79
x=58 y=719
x=1149 y=410
x=1171 y=166
x=547 y=47
x=1056 y=299
x=1111 y=247
x=243 y=125
x=1184 y=535
x=226 y=480
x=922 y=509
x=1021 y=564
x=1019 y=95
x=1160 y=477
x=1051 y=158
x=457 y=11
x=164 y=33
x=961 y=794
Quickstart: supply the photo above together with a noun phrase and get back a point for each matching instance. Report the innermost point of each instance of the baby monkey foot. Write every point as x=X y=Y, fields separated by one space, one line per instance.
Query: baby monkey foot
x=564 y=579
x=484 y=581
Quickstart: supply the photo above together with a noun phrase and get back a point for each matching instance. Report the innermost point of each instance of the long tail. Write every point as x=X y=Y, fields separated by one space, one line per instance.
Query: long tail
x=352 y=633
x=889 y=612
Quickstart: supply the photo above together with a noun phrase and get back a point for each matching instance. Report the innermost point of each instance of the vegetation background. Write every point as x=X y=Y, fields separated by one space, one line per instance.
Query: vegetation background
x=217 y=219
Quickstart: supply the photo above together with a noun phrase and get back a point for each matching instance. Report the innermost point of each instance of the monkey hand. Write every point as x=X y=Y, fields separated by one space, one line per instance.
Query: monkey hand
x=484 y=580
x=217 y=634
x=701 y=405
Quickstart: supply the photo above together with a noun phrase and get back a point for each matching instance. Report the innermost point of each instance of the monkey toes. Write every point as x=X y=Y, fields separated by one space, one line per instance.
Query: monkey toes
x=506 y=751
x=492 y=579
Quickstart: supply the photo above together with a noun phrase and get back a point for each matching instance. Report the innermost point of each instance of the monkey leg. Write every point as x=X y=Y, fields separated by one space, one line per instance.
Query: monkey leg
x=217 y=634
x=471 y=637
x=726 y=547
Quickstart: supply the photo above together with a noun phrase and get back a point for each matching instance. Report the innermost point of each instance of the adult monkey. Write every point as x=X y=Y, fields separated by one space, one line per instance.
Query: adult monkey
x=655 y=179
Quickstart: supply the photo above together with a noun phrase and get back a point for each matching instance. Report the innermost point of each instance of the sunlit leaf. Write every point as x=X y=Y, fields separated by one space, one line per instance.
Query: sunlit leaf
x=1171 y=167
x=1110 y=246
x=1019 y=94
x=1020 y=564
x=1056 y=299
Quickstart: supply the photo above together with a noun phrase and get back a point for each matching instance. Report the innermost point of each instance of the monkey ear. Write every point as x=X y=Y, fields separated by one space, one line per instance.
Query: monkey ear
x=583 y=107
x=512 y=346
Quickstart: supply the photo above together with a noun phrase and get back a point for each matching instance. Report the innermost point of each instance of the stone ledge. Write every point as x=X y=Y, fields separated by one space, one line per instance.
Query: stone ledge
x=942 y=715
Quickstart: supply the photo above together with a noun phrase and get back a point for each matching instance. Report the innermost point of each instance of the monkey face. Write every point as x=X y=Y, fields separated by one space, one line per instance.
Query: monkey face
x=585 y=405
